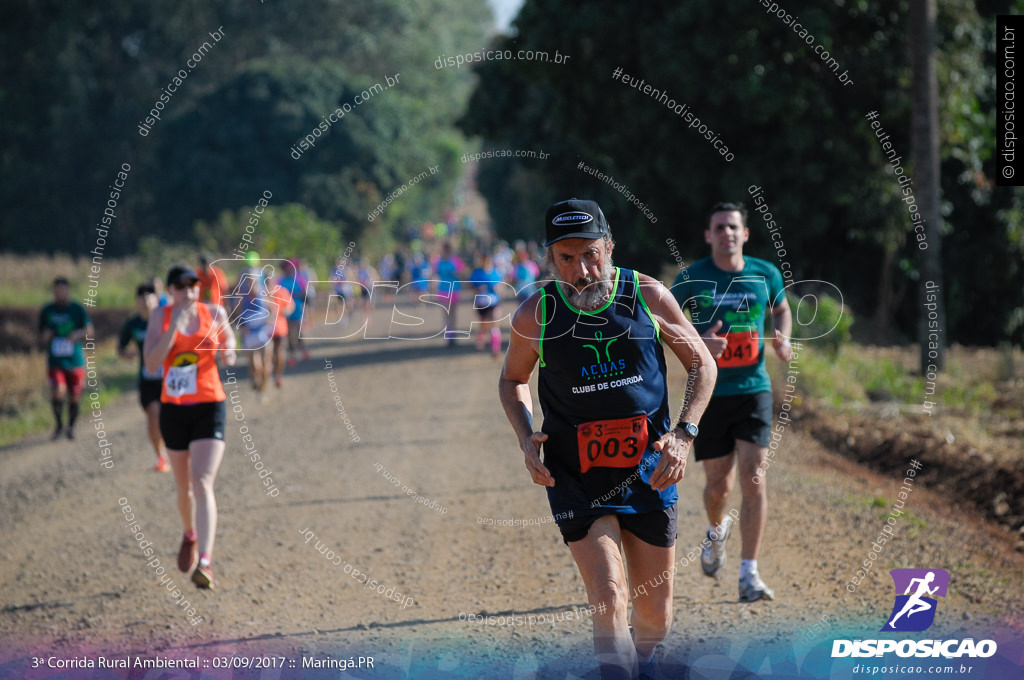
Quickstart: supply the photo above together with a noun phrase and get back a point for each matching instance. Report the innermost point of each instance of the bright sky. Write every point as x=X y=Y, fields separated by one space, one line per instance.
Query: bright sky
x=504 y=12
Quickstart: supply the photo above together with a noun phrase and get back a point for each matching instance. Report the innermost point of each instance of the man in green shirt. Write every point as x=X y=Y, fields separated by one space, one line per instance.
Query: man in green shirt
x=728 y=296
x=62 y=326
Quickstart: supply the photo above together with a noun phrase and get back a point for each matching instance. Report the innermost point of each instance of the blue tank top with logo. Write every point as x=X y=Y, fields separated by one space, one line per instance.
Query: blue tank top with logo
x=604 y=396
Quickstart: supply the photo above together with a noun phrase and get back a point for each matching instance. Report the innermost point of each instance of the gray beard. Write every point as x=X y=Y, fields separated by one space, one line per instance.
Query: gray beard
x=595 y=293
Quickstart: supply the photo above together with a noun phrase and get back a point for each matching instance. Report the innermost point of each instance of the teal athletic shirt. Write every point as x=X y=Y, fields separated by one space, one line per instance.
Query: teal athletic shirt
x=135 y=329
x=63 y=320
x=740 y=300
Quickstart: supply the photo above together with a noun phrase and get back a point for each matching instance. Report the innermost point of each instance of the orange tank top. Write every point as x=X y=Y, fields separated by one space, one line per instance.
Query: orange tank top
x=190 y=369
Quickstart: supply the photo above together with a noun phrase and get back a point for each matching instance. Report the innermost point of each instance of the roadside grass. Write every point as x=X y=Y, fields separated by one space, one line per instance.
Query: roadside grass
x=25 y=395
x=858 y=374
x=29 y=279
x=881 y=507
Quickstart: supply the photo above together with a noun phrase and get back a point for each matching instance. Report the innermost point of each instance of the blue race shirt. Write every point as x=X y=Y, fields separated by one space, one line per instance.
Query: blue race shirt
x=488 y=280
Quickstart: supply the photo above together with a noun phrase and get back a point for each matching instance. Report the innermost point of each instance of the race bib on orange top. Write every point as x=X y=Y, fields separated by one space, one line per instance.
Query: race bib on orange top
x=181 y=378
x=612 y=443
x=741 y=350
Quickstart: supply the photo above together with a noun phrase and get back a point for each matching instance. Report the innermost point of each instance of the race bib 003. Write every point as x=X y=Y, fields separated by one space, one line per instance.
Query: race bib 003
x=741 y=350
x=612 y=443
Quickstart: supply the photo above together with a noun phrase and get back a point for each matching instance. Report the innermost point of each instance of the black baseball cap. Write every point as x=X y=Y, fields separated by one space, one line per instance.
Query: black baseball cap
x=575 y=218
x=145 y=289
x=181 y=274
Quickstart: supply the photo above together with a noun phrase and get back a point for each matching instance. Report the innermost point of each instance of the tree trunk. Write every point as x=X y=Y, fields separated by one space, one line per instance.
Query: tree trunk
x=925 y=151
x=884 y=297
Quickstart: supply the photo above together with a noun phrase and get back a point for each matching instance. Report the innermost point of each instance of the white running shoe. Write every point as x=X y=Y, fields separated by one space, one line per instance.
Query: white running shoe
x=712 y=558
x=752 y=589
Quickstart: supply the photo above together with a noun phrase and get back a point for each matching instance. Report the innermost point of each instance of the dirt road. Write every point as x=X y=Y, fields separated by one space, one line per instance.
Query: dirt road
x=424 y=419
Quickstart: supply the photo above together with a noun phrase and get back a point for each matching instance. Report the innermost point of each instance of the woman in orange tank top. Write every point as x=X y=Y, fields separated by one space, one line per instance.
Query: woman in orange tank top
x=184 y=338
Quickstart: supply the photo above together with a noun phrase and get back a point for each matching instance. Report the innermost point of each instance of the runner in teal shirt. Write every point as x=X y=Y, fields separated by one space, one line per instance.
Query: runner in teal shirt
x=62 y=326
x=728 y=297
x=733 y=305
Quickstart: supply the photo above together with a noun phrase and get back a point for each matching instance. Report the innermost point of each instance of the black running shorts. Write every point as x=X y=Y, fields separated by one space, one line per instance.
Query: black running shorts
x=149 y=391
x=743 y=416
x=181 y=425
x=656 y=528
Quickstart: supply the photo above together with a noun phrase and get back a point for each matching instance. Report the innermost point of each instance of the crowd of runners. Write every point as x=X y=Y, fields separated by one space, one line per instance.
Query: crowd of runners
x=611 y=448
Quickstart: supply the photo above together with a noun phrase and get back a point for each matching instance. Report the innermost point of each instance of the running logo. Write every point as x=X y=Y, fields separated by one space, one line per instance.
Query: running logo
x=914 y=610
x=606 y=367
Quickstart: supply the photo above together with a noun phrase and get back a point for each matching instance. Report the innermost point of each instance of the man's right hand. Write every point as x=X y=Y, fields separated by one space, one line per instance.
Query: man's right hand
x=531 y=451
x=716 y=343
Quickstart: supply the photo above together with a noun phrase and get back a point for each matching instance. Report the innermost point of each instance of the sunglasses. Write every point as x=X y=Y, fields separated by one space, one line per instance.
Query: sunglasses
x=182 y=286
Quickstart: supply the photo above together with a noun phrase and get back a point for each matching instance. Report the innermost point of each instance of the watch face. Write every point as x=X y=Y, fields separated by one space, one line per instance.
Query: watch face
x=691 y=429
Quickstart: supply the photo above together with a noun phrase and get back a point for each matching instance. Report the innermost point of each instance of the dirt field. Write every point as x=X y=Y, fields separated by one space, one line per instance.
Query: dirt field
x=74 y=581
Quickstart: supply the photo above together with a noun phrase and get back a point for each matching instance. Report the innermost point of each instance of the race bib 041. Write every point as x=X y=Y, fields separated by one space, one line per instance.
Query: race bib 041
x=741 y=350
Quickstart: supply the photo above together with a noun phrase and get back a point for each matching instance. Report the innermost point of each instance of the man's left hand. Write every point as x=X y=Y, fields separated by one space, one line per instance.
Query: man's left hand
x=675 y=450
x=783 y=349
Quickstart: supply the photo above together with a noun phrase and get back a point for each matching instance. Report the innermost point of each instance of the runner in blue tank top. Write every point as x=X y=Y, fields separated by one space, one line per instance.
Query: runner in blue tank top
x=611 y=458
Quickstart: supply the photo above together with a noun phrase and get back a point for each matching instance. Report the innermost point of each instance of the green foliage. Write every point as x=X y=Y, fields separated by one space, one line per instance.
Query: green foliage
x=824 y=378
x=278 y=232
x=846 y=379
x=795 y=130
x=971 y=399
x=76 y=81
x=77 y=78
x=879 y=502
x=156 y=256
x=28 y=279
x=820 y=321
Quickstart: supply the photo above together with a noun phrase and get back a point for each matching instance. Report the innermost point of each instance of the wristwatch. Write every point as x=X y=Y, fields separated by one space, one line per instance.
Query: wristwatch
x=689 y=428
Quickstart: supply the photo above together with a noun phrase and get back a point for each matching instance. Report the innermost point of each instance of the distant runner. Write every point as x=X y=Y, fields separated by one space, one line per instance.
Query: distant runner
x=526 y=273
x=731 y=293
x=62 y=326
x=213 y=282
x=256 y=327
x=342 y=287
x=448 y=269
x=611 y=456
x=134 y=329
x=292 y=282
x=486 y=302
